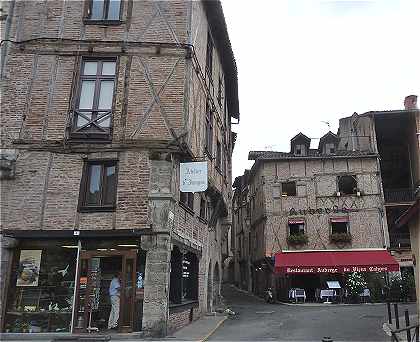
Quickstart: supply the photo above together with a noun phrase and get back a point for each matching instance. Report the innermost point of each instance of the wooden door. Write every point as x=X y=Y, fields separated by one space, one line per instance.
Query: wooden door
x=128 y=288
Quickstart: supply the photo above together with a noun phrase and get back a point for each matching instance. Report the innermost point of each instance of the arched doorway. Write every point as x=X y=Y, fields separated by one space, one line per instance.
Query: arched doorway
x=216 y=285
x=209 y=290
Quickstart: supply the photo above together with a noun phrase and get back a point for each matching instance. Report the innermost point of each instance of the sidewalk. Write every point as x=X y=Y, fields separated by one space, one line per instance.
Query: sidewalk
x=198 y=330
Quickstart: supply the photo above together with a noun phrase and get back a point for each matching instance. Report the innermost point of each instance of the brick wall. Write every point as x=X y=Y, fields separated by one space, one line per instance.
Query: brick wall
x=179 y=319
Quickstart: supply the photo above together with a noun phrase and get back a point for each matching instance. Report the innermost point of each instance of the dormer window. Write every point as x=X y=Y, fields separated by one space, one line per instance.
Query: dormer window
x=300 y=150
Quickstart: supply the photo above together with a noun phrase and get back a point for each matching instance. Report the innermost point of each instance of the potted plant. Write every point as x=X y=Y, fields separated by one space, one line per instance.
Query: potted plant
x=355 y=284
x=340 y=237
x=297 y=239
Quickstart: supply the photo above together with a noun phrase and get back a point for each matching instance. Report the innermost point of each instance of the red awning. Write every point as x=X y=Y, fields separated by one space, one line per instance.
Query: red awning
x=335 y=262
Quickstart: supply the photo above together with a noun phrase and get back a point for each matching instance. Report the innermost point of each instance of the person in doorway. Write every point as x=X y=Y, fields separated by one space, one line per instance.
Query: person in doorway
x=114 y=295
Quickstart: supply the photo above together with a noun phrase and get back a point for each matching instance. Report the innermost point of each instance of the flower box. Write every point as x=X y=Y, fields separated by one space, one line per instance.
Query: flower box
x=297 y=239
x=340 y=237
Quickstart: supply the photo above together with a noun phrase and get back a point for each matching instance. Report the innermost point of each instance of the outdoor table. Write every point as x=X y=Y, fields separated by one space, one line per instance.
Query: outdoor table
x=327 y=294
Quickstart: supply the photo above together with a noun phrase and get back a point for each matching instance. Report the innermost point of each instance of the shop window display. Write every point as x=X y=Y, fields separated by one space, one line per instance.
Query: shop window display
x=40 y=295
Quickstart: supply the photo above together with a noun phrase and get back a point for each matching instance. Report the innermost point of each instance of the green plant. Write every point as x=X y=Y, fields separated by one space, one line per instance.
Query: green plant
x=340 y=237
x=297 y=239
x=355 y=283
x=407 y=285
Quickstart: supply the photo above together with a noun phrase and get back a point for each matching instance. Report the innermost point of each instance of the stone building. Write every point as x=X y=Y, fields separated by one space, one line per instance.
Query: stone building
x=393 y=134
x=101 y=102
x=314 y=215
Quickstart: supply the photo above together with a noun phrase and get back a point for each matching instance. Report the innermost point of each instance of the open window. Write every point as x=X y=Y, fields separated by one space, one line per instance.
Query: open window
x=288 y=189
x=340 y=225
x=347 y=184
x=296 y=227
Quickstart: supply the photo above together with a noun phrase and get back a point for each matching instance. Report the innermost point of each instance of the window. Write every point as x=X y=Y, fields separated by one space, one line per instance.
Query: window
x=300 y=150
x=219 y=92
x=219 y=156
x=339 y=225
x=99 y=183
x=209 y=129
x=209 y=55
x=92 y=116
x=203 y=208
x=288 y=189
x=296 y=227
x=187 y=199
x=104 y=10
x=347 y=185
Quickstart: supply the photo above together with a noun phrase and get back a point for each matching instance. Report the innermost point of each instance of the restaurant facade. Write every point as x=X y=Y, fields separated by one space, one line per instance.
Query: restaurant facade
x=102 y=103
x=315 y=215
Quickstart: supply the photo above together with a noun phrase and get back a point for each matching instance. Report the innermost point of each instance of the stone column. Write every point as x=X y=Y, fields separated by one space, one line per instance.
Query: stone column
x=158 y=247
x=7 y=245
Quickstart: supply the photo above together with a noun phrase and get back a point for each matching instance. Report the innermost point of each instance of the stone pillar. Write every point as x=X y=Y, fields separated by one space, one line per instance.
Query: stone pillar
x=7 y=245
x=158 y=247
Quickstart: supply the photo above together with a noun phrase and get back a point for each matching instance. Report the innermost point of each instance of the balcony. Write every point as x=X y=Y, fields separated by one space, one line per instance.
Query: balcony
x=403 y=195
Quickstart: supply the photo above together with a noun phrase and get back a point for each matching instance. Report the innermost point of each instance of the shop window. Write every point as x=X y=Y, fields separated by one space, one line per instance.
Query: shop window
x=40 y=292
x=99 y=184
x=91 y=118
x=288 y=189
x=184 y=277
x=187 y=199
x=347 y=185
x=296 y=227
x=103 y=10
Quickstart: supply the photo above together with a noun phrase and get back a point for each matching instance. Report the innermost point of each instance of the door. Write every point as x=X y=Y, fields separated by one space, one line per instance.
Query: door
x=92 y=288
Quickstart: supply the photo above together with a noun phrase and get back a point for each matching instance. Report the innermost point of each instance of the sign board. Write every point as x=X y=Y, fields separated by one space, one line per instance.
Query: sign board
x=193 y=177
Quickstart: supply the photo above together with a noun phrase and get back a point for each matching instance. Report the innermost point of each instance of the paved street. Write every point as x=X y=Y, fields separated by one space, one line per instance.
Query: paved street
x=256 y=321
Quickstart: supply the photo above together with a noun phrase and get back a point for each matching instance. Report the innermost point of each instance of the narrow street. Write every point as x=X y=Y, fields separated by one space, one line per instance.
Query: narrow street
x=257 y=321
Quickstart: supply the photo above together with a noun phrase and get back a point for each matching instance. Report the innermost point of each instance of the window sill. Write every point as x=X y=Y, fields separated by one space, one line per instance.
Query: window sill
x=102 y=22
x=186 y=208
x=96 y=209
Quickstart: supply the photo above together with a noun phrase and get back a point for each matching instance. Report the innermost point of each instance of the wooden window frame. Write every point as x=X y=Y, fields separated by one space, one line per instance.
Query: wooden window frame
x=85 y=182
x=186 y=200
x=283 y=185
x=101 y=133
x=104 y=21
x=203 y=208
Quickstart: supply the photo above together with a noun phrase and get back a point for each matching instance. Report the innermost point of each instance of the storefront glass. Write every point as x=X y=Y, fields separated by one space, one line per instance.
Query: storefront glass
x=40 y=294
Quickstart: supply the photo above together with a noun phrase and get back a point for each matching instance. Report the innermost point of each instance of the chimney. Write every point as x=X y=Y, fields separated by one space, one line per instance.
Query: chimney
x=410 y=102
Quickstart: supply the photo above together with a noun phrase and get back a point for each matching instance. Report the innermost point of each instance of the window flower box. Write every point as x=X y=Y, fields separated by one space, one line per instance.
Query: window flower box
x=297 y=239
x=340 y=237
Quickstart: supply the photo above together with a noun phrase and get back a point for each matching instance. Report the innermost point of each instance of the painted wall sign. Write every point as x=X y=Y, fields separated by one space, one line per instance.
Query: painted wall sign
x=193 y=177
x=339 y=269
x=319 y=211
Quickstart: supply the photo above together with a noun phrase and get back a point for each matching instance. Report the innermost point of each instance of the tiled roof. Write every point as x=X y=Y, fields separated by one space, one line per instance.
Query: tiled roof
x=313 y=154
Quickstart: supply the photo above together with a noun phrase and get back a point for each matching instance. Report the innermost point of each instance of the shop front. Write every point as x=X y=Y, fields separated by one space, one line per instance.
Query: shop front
x=322 y=274
x=63 y=286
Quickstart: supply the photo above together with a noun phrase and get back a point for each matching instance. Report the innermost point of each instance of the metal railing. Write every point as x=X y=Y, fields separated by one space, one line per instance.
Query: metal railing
x=399 y=195
x=411 y=331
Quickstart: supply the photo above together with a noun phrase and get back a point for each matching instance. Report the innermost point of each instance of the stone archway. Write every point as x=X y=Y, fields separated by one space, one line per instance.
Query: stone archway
x=209 y=290
x=216 y=285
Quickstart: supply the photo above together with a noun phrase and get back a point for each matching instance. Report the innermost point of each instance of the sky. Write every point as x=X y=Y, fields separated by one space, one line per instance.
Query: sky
x=302 y=63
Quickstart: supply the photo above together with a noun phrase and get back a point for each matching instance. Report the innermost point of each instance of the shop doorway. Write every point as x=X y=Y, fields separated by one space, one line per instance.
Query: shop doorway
x=93 y=302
